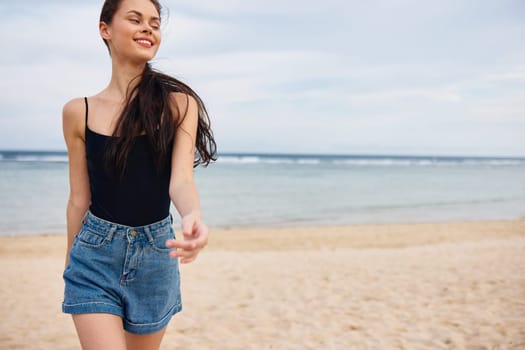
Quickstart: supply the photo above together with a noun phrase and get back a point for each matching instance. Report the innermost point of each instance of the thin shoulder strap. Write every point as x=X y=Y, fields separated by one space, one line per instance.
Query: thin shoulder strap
x=87 y=109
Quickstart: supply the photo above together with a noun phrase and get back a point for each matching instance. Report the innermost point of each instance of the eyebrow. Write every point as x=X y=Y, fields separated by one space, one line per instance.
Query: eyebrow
x=140 y=14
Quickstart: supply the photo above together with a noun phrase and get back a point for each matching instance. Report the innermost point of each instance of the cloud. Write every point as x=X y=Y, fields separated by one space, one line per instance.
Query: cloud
x=516 y=74
x=235 y=8
x=293 y=76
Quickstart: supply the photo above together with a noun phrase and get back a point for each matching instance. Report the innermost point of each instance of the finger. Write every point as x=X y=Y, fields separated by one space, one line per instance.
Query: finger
x=179 y=244
x=201 y=242
x=182 y=254
x=195 y=249
x=188 y=235
x=202 y=237
x=187 y=227
x=188 y=260
x=193 y=243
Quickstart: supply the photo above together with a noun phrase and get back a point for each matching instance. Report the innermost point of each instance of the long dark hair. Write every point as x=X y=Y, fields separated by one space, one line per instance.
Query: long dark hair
x=148 y=111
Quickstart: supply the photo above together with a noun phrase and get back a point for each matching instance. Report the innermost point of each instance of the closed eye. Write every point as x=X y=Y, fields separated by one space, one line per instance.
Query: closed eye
x=153 y=20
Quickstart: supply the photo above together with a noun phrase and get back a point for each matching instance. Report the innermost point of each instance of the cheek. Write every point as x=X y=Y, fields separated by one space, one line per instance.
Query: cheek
x=159 y=42
x=121 y=35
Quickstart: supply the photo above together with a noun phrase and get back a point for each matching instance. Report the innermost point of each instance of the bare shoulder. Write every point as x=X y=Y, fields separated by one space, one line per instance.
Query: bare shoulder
x=182 y=101
x=74 y=107
x=73 y=116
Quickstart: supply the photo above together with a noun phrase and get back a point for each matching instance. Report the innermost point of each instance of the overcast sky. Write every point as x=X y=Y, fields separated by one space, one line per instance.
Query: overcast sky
x=292 y=76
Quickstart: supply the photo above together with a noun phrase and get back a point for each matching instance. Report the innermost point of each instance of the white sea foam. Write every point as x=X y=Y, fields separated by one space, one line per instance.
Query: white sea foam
x=238 y=160
x=308 y=160
x=427 y=162
x=36 y=158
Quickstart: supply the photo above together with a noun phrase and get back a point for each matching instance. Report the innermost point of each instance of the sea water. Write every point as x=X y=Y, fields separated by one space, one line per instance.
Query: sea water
x=292 y=190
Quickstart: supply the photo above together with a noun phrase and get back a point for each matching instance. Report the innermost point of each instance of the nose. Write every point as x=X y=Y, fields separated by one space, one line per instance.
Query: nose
x=146 y=28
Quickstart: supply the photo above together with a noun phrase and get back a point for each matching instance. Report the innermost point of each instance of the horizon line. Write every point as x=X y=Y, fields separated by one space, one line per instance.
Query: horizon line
x=310 y=155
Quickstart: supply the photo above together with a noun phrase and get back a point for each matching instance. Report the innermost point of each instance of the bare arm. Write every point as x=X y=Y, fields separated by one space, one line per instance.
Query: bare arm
x=183 y=191
x=79 y=195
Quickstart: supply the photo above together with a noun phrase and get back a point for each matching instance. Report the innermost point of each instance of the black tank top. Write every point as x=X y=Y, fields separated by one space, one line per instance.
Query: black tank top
x=141 y=197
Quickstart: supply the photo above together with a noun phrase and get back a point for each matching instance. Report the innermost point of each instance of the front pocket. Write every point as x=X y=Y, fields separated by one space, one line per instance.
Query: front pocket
x=91 y=238
x=158 y=240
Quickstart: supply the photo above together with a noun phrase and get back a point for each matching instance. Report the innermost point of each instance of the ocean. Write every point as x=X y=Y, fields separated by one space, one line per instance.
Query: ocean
x=292 y=190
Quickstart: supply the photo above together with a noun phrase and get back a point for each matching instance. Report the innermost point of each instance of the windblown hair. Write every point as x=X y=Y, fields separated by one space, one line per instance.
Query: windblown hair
x=148 y=111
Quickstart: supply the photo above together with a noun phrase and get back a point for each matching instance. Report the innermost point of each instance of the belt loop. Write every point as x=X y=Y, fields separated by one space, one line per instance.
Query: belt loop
x=84 y=218
x=171 y=219
x=111 y=232
x=148 y=234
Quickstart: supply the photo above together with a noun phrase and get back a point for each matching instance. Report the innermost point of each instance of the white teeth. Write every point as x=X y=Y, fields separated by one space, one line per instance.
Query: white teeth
x=144 y=42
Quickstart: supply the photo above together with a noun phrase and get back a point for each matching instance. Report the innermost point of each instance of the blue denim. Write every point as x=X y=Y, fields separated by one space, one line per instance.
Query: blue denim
x=125 y=271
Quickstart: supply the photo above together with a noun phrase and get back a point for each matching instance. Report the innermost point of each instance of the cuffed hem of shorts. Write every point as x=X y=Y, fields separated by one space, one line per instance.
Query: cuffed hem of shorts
x=92 y=307
x=148 y=328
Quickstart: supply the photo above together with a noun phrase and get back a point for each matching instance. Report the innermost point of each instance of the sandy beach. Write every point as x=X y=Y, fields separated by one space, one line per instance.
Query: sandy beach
x=458 y=285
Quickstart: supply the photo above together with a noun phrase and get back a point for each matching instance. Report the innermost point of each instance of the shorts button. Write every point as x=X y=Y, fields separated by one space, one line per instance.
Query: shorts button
x=133 y=233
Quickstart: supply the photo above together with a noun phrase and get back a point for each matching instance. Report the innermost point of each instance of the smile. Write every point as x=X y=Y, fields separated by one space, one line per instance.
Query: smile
x=144 y=42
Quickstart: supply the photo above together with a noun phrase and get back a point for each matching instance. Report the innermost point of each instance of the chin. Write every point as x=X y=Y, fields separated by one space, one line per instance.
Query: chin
x=142 y=59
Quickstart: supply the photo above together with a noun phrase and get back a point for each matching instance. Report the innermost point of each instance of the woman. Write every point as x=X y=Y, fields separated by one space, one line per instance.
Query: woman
x=132 y=148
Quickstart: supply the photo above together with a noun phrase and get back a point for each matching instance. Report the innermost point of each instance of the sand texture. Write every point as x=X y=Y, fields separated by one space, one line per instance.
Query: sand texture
x=404 y=286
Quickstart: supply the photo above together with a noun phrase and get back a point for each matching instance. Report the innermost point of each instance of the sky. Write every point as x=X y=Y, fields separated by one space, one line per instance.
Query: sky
x=406 y=77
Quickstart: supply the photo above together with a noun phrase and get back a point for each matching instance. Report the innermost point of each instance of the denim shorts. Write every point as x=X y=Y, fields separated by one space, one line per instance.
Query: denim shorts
x=125 y=271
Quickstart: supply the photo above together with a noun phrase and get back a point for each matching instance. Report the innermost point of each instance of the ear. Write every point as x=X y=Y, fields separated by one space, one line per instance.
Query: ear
x=104 y=30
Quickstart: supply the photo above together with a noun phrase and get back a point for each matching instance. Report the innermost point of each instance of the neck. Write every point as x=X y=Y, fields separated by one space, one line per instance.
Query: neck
x=124 y=77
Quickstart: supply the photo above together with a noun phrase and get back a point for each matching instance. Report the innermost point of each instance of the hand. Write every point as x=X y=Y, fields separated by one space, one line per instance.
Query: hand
x=195 y=234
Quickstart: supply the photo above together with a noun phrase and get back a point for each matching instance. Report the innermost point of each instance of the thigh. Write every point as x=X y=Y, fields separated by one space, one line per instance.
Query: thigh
x=144 y=341
x=100 y=331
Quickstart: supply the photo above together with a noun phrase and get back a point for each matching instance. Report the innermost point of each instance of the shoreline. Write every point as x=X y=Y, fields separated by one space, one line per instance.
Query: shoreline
x=293 y=225
x=367 y=286
x=385 y=235
x=8 y=233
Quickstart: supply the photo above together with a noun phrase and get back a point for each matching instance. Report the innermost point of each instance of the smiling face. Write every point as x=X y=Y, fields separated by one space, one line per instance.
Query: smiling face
x=133 y=32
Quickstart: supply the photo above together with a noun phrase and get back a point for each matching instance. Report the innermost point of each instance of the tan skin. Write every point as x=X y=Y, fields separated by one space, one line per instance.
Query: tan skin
x=135 y=19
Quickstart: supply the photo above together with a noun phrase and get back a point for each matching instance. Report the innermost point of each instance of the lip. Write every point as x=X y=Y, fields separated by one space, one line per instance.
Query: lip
x=145 y=42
